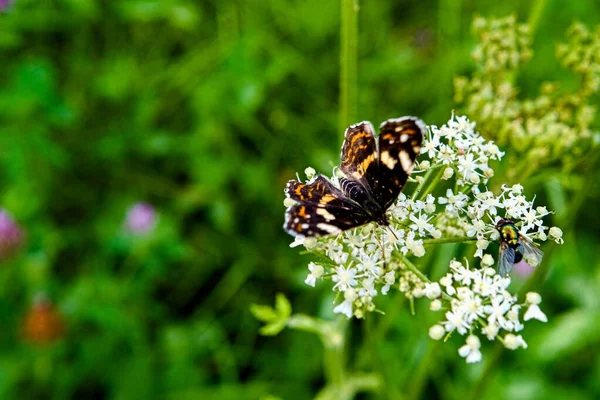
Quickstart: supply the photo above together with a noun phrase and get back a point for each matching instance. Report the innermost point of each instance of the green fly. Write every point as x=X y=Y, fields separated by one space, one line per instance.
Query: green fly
x=515 y=247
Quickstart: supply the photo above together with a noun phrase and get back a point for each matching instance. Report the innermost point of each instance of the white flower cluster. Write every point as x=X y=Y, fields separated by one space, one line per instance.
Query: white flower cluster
x=354 y=262
x=367 y=261
x=477 y=216
x=477 y=303
x=461 y=151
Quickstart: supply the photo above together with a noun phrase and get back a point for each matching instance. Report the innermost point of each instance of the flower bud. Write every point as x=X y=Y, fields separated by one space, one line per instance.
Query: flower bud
x=436 y=332
x=513 y=342
x=433 y=290
x=533 y=298
x=488 y=172
x=435 y=305
x=310 y=173
x=309 y=243
x=418 y=250
x=556 y=234
x=287 y=202
x=448 y=172
x=487 y=260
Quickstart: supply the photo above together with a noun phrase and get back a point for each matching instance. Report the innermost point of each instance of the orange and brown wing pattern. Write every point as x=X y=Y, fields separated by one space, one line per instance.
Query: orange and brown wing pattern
x=376 y=171
x=321 y=209
x=321 y=190
x=399 y=143
x=359 y=154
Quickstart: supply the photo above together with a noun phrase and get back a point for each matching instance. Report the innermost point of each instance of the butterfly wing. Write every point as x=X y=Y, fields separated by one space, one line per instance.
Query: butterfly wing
x=321 y=209
x=359 y=155
x=382 y=165
x=399 y=143
x=376 y=171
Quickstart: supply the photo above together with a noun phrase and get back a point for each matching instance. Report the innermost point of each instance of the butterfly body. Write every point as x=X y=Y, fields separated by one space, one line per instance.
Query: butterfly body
x=375 y=168
x=364 y=199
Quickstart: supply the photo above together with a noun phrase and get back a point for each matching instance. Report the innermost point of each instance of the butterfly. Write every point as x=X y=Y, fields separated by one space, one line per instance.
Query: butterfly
x=375 y=171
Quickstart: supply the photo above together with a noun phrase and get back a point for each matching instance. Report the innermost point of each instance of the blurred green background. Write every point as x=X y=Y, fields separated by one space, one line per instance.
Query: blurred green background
x=202 y=110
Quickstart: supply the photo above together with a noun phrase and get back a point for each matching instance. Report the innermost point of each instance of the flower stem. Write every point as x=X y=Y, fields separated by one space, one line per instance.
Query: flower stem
x=412 y=268
x=335 y=357
x=423 y=184
x=534 y=16
x=431 y=179
x=455 y=239
x=348 y=63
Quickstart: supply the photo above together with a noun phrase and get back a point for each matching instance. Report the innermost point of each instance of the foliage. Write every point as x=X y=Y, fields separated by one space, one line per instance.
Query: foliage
x=552 y=128
x=204 y=110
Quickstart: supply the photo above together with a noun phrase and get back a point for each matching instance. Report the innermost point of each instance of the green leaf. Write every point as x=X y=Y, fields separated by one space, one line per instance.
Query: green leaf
x=273 y=328
x=572 y=331
x=263 y=313
x=283 y=307
x=556 y=196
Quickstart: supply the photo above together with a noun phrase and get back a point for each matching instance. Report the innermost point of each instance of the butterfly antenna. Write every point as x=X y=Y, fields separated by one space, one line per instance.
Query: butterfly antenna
x=392 y=232
x=380 y=242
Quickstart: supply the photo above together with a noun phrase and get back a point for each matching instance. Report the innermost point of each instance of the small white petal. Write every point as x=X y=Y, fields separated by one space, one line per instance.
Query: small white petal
x=310 y=280
x=534 y=312
x=474 y=357
x=464 y=351
x=344 y=308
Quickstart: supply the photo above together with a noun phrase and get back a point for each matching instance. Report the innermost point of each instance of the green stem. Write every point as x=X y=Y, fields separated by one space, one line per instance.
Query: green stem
x=534 y=16
x=363 y=383
x=429 y=183
x=348 y=63
x=306 y=323
x=419 y=377
x=455 y=239
x=411 y=267
x=335 y=357
x=423 y=184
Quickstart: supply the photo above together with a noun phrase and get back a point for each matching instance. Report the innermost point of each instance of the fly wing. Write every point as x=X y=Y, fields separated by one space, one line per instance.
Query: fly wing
x=532 y=254
x=506 y=259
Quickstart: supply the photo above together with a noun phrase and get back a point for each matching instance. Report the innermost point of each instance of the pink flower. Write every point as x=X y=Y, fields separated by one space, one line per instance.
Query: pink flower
x=140 y=219
x=11 y=235
x=4 y=4
x=523 y=270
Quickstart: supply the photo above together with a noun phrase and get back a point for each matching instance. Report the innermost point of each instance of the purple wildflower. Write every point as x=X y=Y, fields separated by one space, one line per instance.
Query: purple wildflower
x=4 y=4
x=141 y=219
x=523 y=269
x=11 y=235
